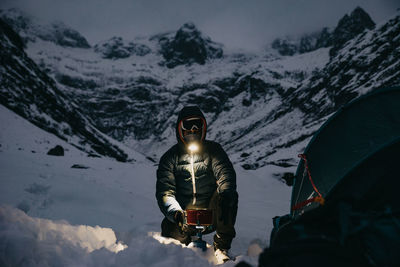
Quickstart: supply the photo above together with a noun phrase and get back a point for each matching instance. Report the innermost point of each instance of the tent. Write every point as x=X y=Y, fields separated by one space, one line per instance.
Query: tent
x=348 y=138
x=345 y=209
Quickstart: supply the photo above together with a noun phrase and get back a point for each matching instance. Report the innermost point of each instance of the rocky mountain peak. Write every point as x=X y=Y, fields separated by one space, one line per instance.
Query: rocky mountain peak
x=349 y=26
x=188 y=46
x=188 y=30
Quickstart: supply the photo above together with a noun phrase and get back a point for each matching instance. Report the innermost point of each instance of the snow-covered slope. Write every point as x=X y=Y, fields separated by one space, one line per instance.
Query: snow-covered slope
x=86 y=210
x=28 y=91
x=367 y=62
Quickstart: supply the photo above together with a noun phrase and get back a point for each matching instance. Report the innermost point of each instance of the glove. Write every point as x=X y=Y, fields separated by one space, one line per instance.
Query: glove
x=182 y=227
x=178 y=217
x=225 y=203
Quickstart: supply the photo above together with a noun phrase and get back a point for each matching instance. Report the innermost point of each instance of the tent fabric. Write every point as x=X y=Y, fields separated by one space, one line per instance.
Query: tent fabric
x=359 y=225
x=373 y=184
x=354 y=161
x=350 y=136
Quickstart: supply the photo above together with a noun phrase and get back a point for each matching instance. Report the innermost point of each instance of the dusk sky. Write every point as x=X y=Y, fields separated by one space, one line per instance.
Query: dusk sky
x=247 y=24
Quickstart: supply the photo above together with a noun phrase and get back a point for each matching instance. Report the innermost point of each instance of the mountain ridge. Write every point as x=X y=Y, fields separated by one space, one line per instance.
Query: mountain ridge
x=261 y=108
x=29 y=92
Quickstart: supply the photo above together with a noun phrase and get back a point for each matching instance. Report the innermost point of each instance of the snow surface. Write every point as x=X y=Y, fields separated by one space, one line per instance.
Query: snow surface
x=106 y=214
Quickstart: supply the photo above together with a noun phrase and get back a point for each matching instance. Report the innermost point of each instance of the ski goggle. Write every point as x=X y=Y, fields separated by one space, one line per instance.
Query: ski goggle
x=192 y=129
x=192 y=124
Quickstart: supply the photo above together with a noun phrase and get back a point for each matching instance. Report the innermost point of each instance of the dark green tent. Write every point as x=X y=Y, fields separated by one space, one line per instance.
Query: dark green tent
x=350 y=136
x=354 y=163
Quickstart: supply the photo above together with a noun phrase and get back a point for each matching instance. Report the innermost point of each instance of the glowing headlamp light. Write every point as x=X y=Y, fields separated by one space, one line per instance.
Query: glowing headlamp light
x=193 y=147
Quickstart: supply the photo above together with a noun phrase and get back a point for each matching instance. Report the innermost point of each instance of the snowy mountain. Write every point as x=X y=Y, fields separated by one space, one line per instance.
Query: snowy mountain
x=187 y=46
x=263 y=108
x=367 y=62
x=347 y=28
x=31 y=29
x=29 y=92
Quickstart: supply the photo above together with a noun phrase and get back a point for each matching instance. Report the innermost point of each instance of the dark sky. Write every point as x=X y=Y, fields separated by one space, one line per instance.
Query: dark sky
x=247 y=24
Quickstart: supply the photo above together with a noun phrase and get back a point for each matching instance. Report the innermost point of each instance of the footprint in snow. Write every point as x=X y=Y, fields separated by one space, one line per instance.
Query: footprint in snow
x=38 y=189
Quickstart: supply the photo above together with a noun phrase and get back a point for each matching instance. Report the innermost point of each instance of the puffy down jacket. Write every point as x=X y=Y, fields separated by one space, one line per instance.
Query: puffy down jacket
x=186 y=180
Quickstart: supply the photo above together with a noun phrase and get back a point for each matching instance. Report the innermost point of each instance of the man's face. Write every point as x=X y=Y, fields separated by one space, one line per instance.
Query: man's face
x=192 y=129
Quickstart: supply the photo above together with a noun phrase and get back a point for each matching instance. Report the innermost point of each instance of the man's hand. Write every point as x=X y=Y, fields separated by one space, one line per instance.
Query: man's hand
x=226 y=203
x=179 y=220
x=178 y=217
x=182 y=227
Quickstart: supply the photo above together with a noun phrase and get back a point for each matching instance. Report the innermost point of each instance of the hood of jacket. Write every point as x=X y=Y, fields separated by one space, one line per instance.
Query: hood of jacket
x=186 y=113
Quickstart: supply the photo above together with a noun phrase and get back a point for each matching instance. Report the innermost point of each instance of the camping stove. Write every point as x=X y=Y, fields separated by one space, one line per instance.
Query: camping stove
x=200 y=219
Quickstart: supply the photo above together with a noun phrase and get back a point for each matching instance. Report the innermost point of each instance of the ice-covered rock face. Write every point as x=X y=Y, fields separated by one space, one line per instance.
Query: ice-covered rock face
x=30 y=29
x=188 y=46
x=116 y=47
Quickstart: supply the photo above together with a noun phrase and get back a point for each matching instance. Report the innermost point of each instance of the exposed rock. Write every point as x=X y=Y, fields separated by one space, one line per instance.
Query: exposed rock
x=188 y=46
x=138 y=49
x=287 y=177
x=285 y=47
x=56 y=151
x=350 y=26
x=116 y=47
x=285 y=163
x=93 y=155
x=76 y=82
x=79 y=166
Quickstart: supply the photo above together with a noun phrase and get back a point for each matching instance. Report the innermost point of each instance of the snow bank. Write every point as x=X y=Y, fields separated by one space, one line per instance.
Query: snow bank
x=27 y=241
x=41 y=242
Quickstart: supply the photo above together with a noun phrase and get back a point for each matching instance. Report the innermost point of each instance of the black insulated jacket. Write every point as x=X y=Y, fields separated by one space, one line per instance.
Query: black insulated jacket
x=176 y=189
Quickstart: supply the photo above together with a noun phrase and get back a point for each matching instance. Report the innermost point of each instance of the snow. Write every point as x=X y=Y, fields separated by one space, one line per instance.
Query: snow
x=276 y=71
x=107 y=215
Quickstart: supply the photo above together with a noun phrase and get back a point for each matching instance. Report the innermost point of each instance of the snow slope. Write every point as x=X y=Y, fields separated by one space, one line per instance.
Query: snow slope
x=105 y=214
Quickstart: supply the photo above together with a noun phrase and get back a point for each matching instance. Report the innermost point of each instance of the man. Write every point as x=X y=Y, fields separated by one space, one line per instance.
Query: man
x=197 y=173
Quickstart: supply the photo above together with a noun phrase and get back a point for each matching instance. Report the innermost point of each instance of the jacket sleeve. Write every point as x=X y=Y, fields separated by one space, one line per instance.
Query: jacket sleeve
x=165 y=187
x=223 y=170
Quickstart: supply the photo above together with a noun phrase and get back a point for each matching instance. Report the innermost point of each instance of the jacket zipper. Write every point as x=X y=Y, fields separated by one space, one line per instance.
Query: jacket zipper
x=193 y=178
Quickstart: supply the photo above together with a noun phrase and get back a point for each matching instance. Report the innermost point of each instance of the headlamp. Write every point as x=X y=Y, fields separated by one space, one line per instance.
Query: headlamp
x=193 y=147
